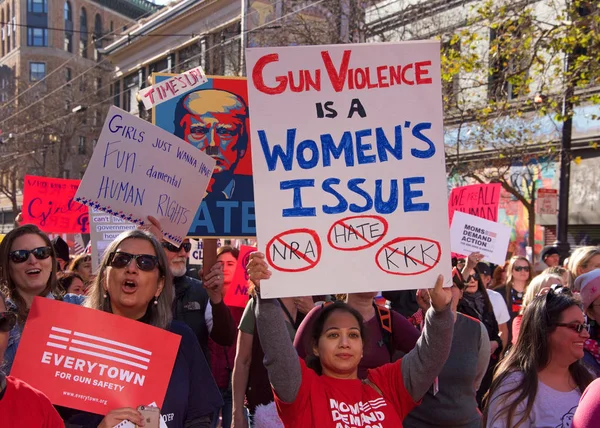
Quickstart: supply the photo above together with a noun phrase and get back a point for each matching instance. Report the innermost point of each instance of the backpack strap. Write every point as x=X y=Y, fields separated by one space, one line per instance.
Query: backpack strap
x=384 y=316
x=372 y=385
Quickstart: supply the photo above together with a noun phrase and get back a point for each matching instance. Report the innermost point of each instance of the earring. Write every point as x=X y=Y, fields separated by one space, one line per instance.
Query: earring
x=105 y=294
x=155 y=300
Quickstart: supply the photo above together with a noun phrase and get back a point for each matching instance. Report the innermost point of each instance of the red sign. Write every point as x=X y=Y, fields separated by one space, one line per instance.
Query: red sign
x=547 y=202
x=48 y=203
x=237 y=295
x=480 y=200
x=94 y=361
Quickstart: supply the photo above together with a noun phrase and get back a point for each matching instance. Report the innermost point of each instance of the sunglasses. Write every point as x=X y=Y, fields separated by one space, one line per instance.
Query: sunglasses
x=521 y=268
x=20 y=256
x=575 y=326
x=474 y=277
x=120 y=259
x=187 y=246
x=7 y=321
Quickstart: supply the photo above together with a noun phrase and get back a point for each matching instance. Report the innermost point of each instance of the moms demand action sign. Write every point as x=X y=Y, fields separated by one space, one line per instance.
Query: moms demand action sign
x=94 y=361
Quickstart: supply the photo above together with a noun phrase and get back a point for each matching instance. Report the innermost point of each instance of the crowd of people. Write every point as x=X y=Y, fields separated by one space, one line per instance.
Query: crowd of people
x=504 y=346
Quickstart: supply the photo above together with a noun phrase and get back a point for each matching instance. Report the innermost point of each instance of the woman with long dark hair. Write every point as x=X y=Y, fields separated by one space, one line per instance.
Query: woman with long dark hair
x=518 y=277
x=540 y=381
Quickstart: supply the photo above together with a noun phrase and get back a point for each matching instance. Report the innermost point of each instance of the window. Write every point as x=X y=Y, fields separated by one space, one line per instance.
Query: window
x=96 y=119
x=83 y=28
x=81 y=149
x=68 y=74
x=8 y=31
x=117 y=94
x=97 y=36
x=37 y=6
x=68 y=12
x=68 y=15
x=97 y=84
x=3 y=35
x=37 y=37
x=37 y=71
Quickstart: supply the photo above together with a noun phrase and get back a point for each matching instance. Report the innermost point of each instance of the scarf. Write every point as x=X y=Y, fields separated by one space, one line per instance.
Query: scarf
x=475 y=301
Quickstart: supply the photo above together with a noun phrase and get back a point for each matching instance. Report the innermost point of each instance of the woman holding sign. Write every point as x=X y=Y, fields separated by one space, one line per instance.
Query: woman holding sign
x=332 y=391
x=134 y=281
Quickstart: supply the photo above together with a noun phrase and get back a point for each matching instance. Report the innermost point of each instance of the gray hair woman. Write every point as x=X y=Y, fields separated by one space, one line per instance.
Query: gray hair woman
x=134 y=282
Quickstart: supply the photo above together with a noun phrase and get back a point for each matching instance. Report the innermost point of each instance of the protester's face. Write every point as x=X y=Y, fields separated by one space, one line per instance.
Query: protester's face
x=594 y=263
x=85 y=268
x=520 y=270
x=486 y=279
x=31 y=276
x=471 y=283
x=131 y=289
x=340 y=346
x=178 y=260
x=565 y=343
x=76 y=287
x=552 y=260
x=229 y=264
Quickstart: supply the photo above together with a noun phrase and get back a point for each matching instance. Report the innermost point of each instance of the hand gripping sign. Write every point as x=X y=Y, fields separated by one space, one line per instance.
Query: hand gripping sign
x=94 y=361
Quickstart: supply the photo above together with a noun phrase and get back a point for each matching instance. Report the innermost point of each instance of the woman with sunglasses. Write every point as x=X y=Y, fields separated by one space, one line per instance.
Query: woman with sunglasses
x=28 y=269
x=134 y=282
x=517 y=279
x=540 y=381
x=20 y=404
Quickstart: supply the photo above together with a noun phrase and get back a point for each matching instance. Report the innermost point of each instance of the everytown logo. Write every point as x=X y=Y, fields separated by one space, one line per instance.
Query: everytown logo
x=79 y=345
x=478 y=237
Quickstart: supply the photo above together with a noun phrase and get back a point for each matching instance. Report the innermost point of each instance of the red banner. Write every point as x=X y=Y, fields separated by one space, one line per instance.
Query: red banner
x=94 y=361
x=48 y=203
x=480 y=200
x=237 y=294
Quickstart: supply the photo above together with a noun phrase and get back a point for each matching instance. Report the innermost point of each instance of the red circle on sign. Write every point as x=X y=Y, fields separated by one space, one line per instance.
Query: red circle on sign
x=307 y=234
x=417 y=260
x=369 y=241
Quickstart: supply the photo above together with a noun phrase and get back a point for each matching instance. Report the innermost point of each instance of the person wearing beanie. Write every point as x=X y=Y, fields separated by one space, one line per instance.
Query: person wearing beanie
x=589 y=284
x=550 y=255
x=61 y=248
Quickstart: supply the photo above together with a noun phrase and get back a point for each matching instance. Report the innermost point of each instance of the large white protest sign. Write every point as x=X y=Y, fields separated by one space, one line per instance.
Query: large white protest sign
x=138 y=170
x=104 y=228
x=470 y=233
x=349 y=168
x=168 y=89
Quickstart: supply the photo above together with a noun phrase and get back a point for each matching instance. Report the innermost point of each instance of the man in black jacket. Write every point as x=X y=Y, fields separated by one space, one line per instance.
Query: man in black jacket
x=200 y=305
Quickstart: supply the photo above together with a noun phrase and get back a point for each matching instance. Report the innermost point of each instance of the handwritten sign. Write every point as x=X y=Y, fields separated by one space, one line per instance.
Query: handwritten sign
x=237 y=294
x=104 y=229
x=221 y=106
x=138 y=170
x=170 y=88
x=49 y=203
x=547 y=201
x=349 y=169
x=91 y=360
x=470 y=233
x=481 y=200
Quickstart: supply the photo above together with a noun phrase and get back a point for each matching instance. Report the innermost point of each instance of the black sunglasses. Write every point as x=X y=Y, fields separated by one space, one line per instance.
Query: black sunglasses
x=474 y=276
x=7 y=321
x=187 y=246
x=575 y=326
x=521 y=268
x=120 y=259
x=20 y=256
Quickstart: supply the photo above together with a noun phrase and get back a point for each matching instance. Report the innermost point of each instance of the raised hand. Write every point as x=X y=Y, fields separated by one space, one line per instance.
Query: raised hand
x=213 y=283
x=258 y=269
x=473 y=259
x=440 y=296
x=116 y=416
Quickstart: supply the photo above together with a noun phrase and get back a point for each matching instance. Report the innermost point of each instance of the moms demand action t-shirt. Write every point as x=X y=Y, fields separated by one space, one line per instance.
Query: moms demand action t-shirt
x=326 y=402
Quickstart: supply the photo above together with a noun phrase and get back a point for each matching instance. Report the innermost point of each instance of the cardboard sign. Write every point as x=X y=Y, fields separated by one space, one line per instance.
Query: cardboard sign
x=92 y=360
x=139 y=170
x=349 y=168
x=170 y=88
x=104 y=229
x=547 y=201
x=49 y=204
x=214 y=118
x=481 y=200
x=237 y=294
x=470 y=234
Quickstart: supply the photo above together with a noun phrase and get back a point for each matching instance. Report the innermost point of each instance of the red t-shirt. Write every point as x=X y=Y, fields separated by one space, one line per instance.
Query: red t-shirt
x=24 y=406
x=326 y=402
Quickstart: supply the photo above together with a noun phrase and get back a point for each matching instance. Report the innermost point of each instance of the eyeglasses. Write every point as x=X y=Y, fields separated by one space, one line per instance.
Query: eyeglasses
x=20 y=256
x=472 y=277
x=575 y=326
x=187 y=246
x=120 y=259
x=7 y=321
x=521 y=268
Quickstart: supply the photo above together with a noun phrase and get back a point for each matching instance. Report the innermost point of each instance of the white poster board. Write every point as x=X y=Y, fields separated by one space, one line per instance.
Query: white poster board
x=349 y=169
x=470 y=234
x=138 y=169
x=104 y=228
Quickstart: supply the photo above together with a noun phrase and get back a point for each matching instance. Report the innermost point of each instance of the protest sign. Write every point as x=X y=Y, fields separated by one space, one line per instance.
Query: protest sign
x=349 y=168
x=49 y=204
x=139 y=170
x=237 y=294
x=103 y=230
x=470 y=233
x=167 y=89
x=547 y=202
x=91 y=360
x=480 y=200
x=214 y=118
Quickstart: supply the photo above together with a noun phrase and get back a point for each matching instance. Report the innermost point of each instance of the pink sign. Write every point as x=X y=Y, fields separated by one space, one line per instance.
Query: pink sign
x=480 y=200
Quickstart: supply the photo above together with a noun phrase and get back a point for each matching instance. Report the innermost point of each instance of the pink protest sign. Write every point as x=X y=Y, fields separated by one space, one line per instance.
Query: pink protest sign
x=237 y=294
x=480 y=200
